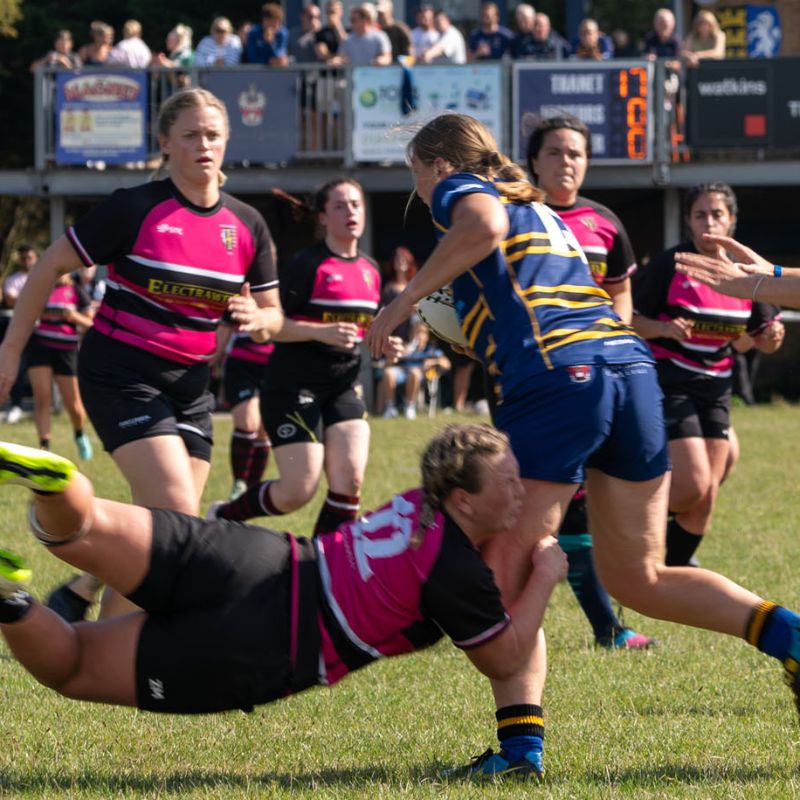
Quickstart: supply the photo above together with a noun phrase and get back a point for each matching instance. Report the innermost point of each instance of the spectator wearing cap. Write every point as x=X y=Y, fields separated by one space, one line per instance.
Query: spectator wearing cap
x=490 y=41
x=221 y=48
x=267 y=43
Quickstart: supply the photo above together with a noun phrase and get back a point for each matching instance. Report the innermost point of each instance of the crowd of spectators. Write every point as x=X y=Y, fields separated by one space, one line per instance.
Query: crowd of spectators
x=375 y=37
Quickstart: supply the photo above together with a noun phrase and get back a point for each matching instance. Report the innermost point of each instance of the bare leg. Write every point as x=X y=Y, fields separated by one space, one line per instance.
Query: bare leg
x=68 y=386
x=300 y=468
x=346 y=453
x=41 y=379
x=627 y=521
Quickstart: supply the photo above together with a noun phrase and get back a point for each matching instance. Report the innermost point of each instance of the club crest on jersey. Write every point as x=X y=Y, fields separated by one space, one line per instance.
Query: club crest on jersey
x=590 y=223
x=228 y=235
x=367 y=278
x=580 y=374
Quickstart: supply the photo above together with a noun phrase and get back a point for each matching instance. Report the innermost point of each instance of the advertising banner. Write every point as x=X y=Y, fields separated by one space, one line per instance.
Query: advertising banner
x=380 y=128
x=751 y=31
x=262 y=109
x=101 y=117
x=612 y=98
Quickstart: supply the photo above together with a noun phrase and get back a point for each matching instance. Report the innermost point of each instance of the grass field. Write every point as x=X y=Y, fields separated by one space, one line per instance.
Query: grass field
x=700 y=717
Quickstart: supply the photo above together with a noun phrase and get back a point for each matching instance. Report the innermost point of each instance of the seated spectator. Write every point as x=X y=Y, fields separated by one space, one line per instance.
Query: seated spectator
x=96 y=53
x=489 y=41
x=424 y=35
x=705 y=40
x=523 y=45
x=267 y=43
x=222 y=48
x=662 y=42
x=592 y=44
x=303 y=39
x=179 y=48
x=450 y=48
x=398 y=32
x=61 y=56
x=131 y=51
x=332 y=34
x=421 y=355
x=365 y=44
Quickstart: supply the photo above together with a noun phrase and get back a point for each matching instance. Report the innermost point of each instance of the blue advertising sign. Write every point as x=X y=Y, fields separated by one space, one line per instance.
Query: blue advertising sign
x=612 y=98
x=101 y=116
x=262 y=109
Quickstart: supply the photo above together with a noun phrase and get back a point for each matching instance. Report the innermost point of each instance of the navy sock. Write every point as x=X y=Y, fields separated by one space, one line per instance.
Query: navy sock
x=15 y=606
x=681 y=544
x=520 y=729
x=771 y=628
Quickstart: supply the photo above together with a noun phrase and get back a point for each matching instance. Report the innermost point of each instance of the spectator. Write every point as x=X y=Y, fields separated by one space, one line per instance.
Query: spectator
x=27 y=256
x=421 y=354
x=545 y=44
x=705 y=40
x=332 y=34
x=303 y=39
x=267 y=43
x=398 y=32
x=662 y=42
x=451 y=47
x=61 y=56
x=424 y=35
x=96 y=53
x=222 y=48
x=491 y=40
x=592 y=44
x=523 y=44
x=365 y=44
x=131 y=51
x=624 y=47
x=179 y=48
x=243 y=30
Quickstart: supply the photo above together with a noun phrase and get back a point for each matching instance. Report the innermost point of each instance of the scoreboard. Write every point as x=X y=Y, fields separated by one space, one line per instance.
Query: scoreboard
x=613 y=98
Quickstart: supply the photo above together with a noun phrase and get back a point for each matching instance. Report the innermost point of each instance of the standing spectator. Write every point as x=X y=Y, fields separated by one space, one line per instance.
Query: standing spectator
x=179 y=48
x=96 y=53
x=705 y=40
x=303 y=38
x=491 y=40
x=332 y=34
x=12 y=286
x=365 y=44
x=450 y=47
x=592 y=44
x=662 y=42
x=61 y=56
x=424 y=35
x=546 y=44
x=398 y=32
x=267 y=43
x=523 y=44
x=131 y=51
x=222 y=48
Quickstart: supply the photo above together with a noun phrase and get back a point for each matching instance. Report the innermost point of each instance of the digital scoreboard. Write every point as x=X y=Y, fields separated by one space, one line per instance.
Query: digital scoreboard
x=613 y=98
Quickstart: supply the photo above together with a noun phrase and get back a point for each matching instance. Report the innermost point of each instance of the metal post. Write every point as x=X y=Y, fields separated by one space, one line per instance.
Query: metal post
x=672 y=218
x=57 y=216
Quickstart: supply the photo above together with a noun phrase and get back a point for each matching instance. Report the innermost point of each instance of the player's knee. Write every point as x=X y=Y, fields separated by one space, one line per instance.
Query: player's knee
x=296 y=494
x=631 y=586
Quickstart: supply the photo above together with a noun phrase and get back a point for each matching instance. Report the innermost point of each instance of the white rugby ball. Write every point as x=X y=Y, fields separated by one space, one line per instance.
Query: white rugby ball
x=438 y=312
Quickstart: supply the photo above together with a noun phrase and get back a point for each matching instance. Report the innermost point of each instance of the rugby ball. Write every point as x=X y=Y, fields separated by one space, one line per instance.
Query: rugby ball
x=438 y=312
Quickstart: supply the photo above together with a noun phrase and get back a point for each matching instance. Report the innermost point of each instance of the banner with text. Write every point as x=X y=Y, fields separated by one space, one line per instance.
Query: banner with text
x=380 y=128
x=101 y=117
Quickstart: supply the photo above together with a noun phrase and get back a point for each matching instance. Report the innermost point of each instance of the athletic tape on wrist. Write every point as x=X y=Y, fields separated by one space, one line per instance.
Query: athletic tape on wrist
x=53 y=540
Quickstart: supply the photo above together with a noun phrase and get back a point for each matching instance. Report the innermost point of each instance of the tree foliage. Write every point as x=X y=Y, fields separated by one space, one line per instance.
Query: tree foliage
x=10 y=15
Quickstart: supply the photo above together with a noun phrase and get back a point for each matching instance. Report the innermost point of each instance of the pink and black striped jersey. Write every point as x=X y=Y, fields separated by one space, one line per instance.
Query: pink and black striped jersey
x=391 y=584
x=52 y=330
x=172 y=266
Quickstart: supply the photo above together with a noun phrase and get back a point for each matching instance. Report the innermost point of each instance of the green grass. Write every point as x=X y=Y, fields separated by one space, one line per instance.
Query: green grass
x=702 y=716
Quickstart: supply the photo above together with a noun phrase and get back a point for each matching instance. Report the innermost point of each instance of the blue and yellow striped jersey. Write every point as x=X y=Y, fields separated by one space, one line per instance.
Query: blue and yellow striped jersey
x=532 y=305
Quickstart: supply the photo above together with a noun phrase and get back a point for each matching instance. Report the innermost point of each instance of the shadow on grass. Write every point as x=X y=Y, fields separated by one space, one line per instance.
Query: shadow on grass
x=186 y=781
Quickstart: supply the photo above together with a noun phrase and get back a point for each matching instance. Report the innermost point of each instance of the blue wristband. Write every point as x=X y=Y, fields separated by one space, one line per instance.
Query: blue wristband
x=777 y=270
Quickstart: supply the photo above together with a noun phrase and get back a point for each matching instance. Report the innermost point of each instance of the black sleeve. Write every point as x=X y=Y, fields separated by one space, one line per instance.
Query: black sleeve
x=651 y=283
x=760 y=316
x=109 y=230
x=297 y=280
x=460 y=594
x=621 y=260
x=262 y=274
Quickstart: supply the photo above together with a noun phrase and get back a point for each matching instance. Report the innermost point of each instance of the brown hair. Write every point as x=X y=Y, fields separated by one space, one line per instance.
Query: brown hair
x=454 y=459
x=468 y=146
x=171 y=109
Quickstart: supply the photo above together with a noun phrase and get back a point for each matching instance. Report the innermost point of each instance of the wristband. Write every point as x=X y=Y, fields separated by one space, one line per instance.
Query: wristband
x=777 y=270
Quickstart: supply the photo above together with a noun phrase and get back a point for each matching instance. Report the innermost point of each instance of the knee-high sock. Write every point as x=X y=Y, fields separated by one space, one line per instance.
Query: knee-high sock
x=255 y=502
x=243 y=445
x=337 y=509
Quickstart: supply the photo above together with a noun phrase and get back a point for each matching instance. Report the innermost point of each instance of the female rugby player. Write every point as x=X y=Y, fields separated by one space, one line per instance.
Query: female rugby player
x=236 y=615
x=180 y=251
x=578 y=397
x=311 y=398
x=692 y=331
